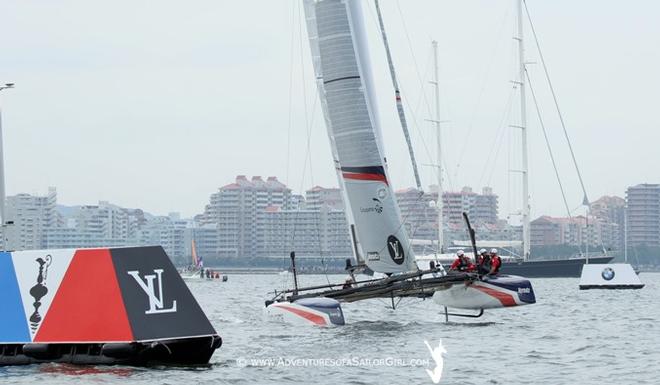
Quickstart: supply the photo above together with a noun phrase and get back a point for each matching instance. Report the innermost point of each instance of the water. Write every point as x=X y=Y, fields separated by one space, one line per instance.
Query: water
x=568 y=336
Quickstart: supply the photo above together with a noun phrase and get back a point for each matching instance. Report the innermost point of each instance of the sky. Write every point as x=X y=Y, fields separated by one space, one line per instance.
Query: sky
x=158 y=104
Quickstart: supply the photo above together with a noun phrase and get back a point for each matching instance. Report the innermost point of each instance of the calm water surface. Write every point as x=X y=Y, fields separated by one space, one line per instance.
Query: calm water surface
x=568 y=337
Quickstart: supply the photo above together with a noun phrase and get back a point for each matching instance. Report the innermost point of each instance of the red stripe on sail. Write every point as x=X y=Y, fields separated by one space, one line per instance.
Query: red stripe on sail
x=365 y=176
x=317 y=319
x=504 y=298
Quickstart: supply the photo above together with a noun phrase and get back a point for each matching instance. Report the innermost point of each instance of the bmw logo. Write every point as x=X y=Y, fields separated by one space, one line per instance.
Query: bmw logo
x=607 y=274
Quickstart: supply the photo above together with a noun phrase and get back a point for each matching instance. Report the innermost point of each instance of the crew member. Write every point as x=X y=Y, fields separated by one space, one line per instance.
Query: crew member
x=481 y=256
x=348 y=283
x=462 y=262
x=495 y=262
x=484 y=262
x=436 y=270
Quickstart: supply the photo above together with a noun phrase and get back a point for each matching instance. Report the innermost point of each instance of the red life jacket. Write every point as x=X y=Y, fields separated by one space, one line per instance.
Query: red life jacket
x=496 y=262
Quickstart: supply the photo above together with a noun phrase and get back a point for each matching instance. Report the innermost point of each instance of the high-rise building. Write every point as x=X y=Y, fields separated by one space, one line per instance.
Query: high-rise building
x=318 y=196
x=609 y=211
x=238 y=210
x=256 y=218
x=101 y=225
x=420 y=215
x=643 y=215
x=480 y=207
x=322 y=232
x=574 y=231
x=551 y=231
x=206 y=241
x=28 y=217
x=485 y=208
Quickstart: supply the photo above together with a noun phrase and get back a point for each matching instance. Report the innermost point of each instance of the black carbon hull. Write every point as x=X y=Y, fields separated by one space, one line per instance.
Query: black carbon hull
x=557 y=268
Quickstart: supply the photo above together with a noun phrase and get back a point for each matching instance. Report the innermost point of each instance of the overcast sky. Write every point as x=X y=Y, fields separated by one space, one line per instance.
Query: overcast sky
x=157 y=104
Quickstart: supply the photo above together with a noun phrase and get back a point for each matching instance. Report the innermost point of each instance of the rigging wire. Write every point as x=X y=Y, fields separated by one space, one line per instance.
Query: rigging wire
x=549 y=147
x=421 y=134
x=554 y=97
x=420 y=197
x=412 y=54
x=547 y=143
x=497 y=141
x=290 y=117
x=399 y=105
x=585 y=199
x=308 y=124
x=477 y=105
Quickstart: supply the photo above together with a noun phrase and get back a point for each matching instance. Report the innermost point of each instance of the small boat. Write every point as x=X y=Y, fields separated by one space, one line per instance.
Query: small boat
x=196 y=270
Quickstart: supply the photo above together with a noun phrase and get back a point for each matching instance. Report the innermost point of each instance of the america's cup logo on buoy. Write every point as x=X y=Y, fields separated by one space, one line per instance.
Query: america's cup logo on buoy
x=156 y=300
x=395 y=249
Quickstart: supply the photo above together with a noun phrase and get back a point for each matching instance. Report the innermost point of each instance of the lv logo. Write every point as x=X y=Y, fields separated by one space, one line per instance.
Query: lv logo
x=395 y=250
x=156 y=300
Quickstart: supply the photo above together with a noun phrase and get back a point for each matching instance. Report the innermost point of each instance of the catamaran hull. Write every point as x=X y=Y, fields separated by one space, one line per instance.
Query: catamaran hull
x=489 y=293
x=307 y=311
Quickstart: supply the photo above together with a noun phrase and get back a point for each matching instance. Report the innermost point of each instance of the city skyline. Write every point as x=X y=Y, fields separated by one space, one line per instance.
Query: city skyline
x=430 y=189
x=157 y=117
x=257 y=217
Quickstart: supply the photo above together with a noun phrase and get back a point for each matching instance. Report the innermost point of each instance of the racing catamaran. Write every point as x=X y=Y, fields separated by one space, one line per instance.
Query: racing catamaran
x=342 y=67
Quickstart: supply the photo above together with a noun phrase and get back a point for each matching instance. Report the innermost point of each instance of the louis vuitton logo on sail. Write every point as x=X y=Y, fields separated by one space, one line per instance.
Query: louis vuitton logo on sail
x=395 y=249
x=156 y=300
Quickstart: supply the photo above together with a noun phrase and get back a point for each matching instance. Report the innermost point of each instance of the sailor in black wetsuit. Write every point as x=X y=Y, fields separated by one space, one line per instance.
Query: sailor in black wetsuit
x=484 y=264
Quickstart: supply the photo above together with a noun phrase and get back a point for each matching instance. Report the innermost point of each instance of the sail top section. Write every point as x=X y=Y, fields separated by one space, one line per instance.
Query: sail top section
x=343 y=70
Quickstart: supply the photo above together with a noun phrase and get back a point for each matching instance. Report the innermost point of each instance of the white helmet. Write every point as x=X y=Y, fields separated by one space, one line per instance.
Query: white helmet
x=482 y=251
x=460 y=253
x=493 y=251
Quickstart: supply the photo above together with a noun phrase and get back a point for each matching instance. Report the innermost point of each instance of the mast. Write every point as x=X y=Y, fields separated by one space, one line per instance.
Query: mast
x=439 y=202
x=523 y=127
x=2 y=178
x=625 y=233
x=3 y=218
x=586 y=247
x=397 y=96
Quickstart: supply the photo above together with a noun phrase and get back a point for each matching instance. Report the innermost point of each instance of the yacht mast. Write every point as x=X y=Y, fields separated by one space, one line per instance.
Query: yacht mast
x=625 y=233
x=523 y=127
x=439 y=144
x=3 y=219
x=2 y=179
